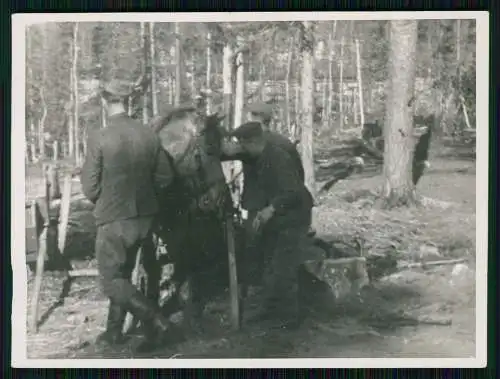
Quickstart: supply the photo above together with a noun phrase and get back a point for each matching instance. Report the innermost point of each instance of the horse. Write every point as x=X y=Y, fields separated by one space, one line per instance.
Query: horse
x=190 y=232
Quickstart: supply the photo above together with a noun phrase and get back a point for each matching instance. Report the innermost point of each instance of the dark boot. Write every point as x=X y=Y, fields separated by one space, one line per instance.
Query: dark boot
x=113 y=333
x=159 y=331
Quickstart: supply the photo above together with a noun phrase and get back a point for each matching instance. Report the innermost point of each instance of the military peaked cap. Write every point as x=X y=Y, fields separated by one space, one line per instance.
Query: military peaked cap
x=248 y=130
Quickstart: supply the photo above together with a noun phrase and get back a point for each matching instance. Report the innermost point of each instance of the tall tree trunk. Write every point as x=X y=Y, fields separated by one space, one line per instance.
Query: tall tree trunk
x=41 y=124
x=398 y=187
x=104 y=122
x=227 y=71
x=287 y=86
x=331 y=44
x=76 y=113
x=239 y=100
x=227 y=85
x=84 y=142
x=32 y=141
x=360 y=84
x=178 y=62
x=262 y=82
x=209 y=72
x=193 y=81
x=152 y=56
x=341 y=84
x=170 y=89
x=307 y=84
x=144 y=46
x=55 y=147
x=240 y=86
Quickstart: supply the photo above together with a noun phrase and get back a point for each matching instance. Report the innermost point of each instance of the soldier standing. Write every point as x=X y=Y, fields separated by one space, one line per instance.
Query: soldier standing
x=124 y=172
x=279 y=216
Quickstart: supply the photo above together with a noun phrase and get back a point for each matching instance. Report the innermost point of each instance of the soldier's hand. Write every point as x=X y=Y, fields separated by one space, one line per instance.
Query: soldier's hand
x=262 y=217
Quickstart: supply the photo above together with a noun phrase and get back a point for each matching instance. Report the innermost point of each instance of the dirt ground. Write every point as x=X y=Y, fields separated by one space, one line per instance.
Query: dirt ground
x=445 y=227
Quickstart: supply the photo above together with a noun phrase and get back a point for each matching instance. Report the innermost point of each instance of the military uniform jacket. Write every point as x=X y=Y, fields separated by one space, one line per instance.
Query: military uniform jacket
x=125 y=171
x=283 y=142
x=274 y=179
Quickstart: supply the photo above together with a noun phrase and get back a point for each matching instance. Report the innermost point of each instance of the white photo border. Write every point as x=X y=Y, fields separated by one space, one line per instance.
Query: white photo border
x=19 y=301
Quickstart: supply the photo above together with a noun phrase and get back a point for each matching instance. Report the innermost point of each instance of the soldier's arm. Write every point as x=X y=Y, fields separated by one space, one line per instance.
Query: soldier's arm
x=284 y=175
x=92 y=169
x=231 y=151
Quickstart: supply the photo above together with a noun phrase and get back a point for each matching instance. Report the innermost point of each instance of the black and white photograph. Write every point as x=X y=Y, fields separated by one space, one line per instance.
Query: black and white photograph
x=250 y=189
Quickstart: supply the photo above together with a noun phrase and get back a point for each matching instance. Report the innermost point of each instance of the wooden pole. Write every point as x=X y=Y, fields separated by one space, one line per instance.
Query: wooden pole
x=64 y=213
x=233 y=274
x=42 y=252
x=40 y=263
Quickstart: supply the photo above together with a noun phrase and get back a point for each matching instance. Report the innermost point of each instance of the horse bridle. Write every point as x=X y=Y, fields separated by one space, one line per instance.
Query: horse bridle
x=199 y=184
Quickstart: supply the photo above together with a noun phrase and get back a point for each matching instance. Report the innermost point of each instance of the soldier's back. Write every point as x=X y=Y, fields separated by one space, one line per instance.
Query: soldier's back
x=129 y=152
x=287 y=145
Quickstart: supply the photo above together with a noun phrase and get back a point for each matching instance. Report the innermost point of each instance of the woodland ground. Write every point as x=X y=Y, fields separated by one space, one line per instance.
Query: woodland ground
x=447 y=223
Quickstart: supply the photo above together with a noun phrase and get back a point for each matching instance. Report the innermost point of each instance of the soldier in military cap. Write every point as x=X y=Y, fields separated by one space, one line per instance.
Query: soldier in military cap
x=124 y=172
x=279 y=216
x=263 y=112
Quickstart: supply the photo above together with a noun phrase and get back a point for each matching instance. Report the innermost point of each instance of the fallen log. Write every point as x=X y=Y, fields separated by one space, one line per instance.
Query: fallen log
x=432 y=263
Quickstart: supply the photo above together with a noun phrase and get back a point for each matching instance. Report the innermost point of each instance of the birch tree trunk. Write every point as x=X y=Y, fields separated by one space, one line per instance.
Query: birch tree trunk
x=76 y=113
x=341 y=84
x=240 y=87
x=287 y=87
x=193 y=84
x=227 y=85
x=144 y=39
x=307 y=83
x=209 y=72
x=152 y=57
x=331 y=44
x=41 y=124
x=178 y=71
x=360 y=84
x=32 y=139
x=398 y=189
x=170 y=89
x=239 y=100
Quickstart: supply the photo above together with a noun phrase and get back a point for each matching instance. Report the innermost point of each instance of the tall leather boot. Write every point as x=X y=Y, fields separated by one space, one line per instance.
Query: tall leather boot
x=113 y=333
x=158 y=330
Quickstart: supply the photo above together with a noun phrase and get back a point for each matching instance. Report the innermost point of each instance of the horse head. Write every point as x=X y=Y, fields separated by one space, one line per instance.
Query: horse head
x=194 y=144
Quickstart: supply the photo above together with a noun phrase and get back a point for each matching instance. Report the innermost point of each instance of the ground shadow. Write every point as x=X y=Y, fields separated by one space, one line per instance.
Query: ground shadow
x=66 y=288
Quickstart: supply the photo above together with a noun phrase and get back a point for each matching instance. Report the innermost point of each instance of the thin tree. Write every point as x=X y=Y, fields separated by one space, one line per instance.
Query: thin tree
x=76 y=113
x=209 y=72
x=152 y=56
x=178 y=70
x=341 y=83
x=144 y=46
x=331 y=44
x=287 y=85
x=360 y=84
x=307 y=84
x=398 y=187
